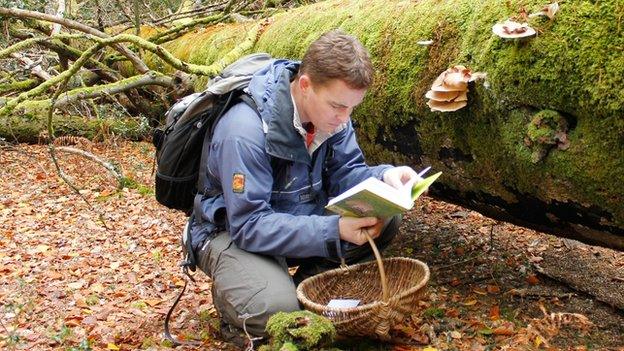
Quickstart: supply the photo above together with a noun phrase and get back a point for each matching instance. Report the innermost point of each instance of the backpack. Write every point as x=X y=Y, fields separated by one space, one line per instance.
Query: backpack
x=189 y=125
x=188 y=122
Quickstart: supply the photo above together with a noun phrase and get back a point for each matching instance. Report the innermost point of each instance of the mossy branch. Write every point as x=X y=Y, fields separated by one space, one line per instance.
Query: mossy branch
x=177 y=31
x=54 y=43
x=11 y=104
x=210 y=70
x=139 y=65
x=18 y=85
x=34 y=41
x=150 y=78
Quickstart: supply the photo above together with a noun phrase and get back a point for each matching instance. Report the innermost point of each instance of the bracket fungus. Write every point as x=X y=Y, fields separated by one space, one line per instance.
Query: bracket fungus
x=449 y=91
x=513 y=30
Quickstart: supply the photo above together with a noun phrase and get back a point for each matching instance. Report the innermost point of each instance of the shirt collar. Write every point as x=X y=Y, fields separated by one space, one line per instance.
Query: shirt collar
x=319 y=136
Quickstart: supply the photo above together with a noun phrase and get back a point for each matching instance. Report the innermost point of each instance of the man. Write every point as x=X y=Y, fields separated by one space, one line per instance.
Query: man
x=270 y=173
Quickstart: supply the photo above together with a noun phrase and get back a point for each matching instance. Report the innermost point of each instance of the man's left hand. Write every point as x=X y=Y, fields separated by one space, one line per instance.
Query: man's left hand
x=397 y=176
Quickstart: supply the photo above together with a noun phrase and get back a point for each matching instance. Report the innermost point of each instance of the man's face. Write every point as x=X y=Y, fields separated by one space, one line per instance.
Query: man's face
x=329 y=105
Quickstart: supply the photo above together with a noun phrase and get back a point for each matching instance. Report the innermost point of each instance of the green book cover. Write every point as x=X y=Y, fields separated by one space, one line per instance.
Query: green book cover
x=374 y=198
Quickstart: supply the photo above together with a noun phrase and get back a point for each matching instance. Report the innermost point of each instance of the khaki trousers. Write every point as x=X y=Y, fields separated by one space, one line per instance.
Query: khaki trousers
x=248 y=288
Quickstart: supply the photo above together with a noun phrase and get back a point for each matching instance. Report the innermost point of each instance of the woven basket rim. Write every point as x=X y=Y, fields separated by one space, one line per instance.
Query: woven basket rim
x=304 y=299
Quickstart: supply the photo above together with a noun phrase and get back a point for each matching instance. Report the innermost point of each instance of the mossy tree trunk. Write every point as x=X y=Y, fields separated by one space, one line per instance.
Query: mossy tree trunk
x=499 y=154
x=29 y=128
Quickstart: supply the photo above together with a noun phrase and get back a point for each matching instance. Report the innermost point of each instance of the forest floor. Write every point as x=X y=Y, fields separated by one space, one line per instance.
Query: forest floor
x=101 y=275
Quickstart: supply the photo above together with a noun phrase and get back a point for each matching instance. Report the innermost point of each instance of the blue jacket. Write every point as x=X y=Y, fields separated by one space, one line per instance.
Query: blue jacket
x=279 y=211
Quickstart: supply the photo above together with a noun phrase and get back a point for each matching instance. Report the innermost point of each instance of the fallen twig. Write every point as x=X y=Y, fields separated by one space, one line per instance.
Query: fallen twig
x=94 y=158
x=539 y=294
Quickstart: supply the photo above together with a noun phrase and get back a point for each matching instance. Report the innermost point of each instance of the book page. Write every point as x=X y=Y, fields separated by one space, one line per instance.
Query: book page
x=423 y=185
x=407 y=188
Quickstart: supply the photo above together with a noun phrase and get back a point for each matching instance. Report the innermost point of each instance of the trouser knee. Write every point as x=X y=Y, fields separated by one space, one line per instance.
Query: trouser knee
x=263 y=307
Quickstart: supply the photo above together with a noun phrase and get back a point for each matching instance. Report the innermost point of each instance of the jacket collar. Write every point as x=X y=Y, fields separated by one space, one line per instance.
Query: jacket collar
x=276 y=109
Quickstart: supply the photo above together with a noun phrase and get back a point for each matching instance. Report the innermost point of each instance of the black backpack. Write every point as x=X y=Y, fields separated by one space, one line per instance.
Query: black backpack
x=188 y=122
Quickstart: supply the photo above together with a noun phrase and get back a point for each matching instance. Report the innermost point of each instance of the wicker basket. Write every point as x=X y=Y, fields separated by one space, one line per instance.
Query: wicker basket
x=382 y=302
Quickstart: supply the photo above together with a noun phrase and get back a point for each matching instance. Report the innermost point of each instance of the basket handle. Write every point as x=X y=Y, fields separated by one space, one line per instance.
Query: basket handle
x=382 y=271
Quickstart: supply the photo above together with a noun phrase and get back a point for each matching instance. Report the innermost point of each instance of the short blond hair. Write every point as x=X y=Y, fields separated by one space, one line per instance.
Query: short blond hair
x=337 y=55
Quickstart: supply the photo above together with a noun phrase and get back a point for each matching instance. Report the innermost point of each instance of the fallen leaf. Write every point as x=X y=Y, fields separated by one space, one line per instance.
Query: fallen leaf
x=54 y=275
x=485 y=331
x=452 y=313
x=493 y=289
x=152 y=302
x=76 y=285
x=503 y=331
x=42 y=248
x=494 y=312
x=532 y=279
x=470 y=302
x=455 y=281
x=73 y=322
x=89 y=320
x=479 y=291
x=456 y=335
x=96 y=288
x=538 y=341
x=112 y=346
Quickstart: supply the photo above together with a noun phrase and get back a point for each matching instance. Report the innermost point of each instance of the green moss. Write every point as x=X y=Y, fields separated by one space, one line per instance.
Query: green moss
x=299 y=330
x=18 y=85
x=546 y=129
x=27 y=127
x=289 y=347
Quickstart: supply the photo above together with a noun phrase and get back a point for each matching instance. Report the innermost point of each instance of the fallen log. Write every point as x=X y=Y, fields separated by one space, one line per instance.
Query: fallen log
x=32 y=128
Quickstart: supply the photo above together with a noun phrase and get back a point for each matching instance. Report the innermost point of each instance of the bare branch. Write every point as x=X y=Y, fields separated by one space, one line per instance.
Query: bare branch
x=60 y=12
x=34 y=67
x=123 y=11
x=190 y=13
x=93 y=158
x=139 y=65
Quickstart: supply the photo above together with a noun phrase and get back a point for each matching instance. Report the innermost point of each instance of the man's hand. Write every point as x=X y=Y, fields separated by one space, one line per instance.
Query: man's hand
x=352 y=229
x=398 y=176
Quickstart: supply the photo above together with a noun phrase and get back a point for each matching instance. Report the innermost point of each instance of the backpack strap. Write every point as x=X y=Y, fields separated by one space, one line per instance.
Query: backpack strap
x=189 y=263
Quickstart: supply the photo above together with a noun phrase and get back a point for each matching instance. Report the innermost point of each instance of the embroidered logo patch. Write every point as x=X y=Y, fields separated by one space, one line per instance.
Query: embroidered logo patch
x=238 y=183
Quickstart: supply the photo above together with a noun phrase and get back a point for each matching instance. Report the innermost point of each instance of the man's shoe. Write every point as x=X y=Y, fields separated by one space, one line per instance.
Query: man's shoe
x=233 y=335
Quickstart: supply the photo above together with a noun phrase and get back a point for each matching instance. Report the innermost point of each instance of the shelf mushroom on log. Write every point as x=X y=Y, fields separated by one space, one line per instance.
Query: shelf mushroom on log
x=449 y=92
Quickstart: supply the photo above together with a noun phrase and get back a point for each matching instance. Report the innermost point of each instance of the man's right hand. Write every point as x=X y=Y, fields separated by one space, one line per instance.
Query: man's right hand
x=353 y=229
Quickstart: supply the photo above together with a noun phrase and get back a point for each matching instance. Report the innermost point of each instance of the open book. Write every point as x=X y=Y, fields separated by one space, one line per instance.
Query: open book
x=374 y=198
